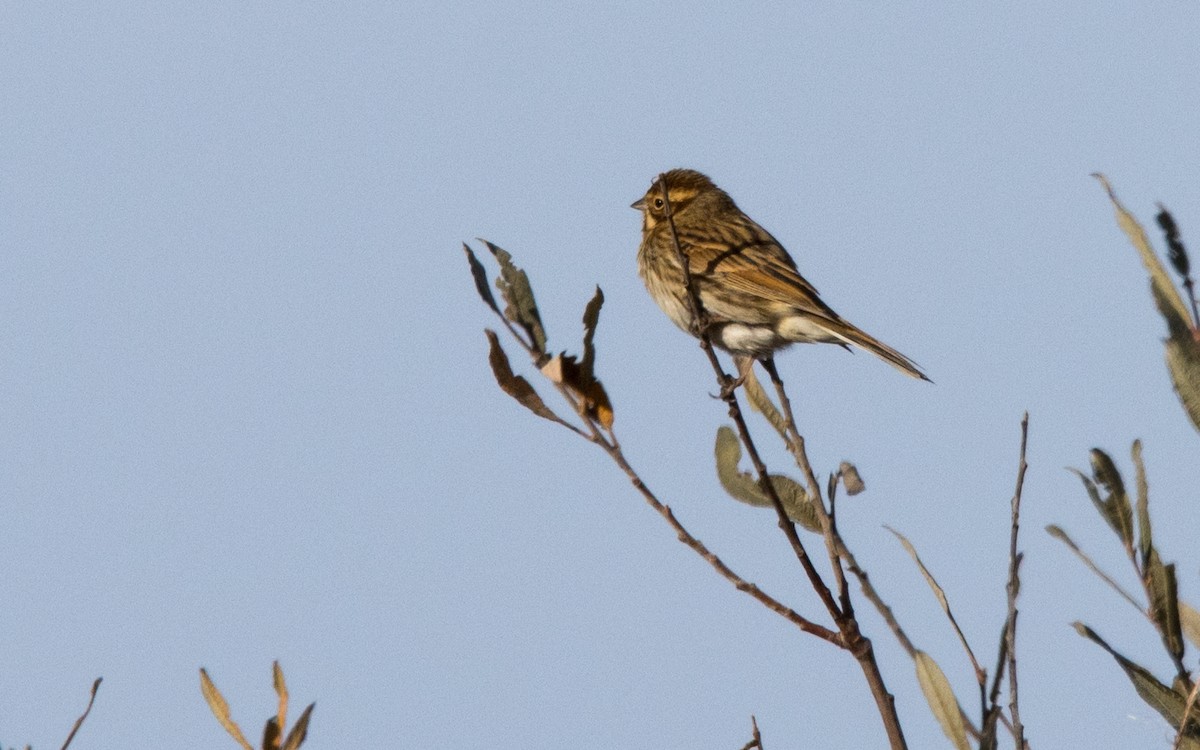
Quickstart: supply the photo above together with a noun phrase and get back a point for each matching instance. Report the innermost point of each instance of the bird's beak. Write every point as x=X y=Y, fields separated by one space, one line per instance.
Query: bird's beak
x=639 y=204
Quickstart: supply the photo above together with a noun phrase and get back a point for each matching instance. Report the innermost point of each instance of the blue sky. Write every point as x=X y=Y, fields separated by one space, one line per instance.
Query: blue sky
x=248 y=414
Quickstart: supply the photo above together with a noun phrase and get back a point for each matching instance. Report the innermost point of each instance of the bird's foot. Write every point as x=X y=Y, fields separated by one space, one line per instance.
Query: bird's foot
x=729 y=384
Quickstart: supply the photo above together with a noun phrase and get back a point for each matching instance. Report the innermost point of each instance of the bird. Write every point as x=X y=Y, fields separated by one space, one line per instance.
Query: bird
x=754 y=300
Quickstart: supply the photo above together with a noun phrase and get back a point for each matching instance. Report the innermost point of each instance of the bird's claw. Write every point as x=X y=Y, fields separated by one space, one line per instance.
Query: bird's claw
x=729 y=384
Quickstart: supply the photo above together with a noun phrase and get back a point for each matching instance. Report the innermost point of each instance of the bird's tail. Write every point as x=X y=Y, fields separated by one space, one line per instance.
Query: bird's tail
x=853 y=335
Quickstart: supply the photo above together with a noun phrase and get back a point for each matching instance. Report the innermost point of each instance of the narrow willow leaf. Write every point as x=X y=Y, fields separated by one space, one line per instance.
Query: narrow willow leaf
x=1189 y=622
x=299 y=732
x=1182 y=348
x=479 y=273
x=1145 y=537
x=220 y=709
x=1167 y=297
x=1093 y=493
x=1169 y=703
x=515 y=385
x=743 y=487
x=938 y=592
x=929 y=579
x=1060 y=535
x=851 y=479
x=272 y=734
x=1115 y=506
x=518 y=294
x=1164 y=603
x=940 y=697
x=591 y=317
x=281 y=691
x=762 y=403
x=1183 y=362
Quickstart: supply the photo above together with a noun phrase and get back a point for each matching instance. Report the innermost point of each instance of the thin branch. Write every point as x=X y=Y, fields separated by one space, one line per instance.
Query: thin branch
x=755 y=737
x=614 y=451
x=868 y=589
x=1013 y=590
x=795 y=444
x=84 y=715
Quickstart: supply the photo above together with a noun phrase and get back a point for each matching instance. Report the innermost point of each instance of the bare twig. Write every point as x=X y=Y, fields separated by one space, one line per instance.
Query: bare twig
x=755 y=737
x=1013 y=590
x=795 y=444
x=868 y=589
x=84 y=715
x=614 y=451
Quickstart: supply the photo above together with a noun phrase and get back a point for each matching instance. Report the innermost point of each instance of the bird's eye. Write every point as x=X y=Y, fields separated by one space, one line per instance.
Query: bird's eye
x=658 y=203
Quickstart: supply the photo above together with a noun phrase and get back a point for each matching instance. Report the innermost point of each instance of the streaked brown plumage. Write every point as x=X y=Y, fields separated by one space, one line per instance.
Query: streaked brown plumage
x=756 y=300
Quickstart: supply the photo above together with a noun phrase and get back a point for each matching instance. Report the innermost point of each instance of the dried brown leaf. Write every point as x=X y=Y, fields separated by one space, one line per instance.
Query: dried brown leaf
x=563 y=370
x=220 y=709
x=515 y=385
x=851 y=479
x=299 y=732
x=479 y=273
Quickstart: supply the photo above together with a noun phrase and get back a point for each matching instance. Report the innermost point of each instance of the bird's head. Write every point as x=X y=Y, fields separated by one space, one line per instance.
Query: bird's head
x=683 y=186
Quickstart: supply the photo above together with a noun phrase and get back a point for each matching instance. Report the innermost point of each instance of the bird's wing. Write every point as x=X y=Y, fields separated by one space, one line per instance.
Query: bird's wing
x=743 y=257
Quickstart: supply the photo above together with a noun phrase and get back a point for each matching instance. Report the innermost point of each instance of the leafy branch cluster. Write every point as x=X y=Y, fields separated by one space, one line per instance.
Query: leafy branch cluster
x=1175 y=622
x=795 y=502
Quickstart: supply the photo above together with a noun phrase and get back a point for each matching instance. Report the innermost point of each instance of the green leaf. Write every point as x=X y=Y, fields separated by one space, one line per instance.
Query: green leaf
x=515 y=385
x=1169 y=703
x=745 y=488
x=1164 y=603
x=1145 y=539
x=479 y=273
x=518 y=294
x=220 y=708
x=940 y=697
x=1189 y=621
